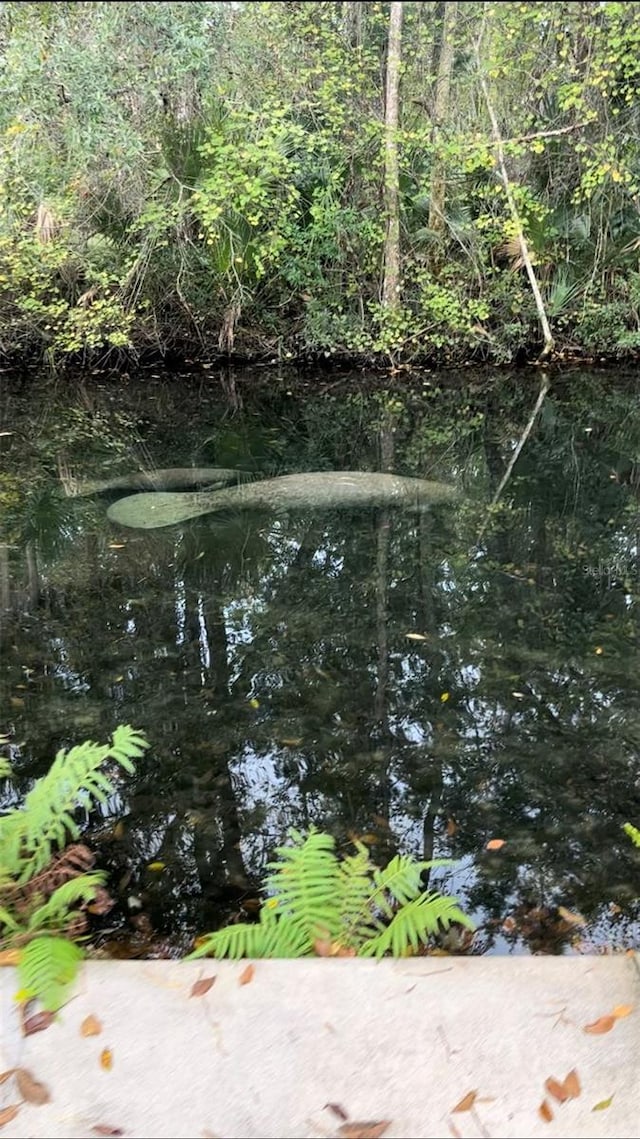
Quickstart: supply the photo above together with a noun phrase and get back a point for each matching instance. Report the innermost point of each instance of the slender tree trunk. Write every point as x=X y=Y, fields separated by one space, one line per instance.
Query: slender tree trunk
x=513 y=208
x=392 y=283
x=440 y=114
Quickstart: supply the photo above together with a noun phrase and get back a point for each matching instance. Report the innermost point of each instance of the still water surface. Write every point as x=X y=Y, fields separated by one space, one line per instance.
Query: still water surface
x=425 y=682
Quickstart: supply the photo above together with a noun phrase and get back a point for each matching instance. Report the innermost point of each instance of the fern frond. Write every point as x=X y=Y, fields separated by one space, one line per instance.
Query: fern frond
x=272 y=936
x=48 y=967
x=359 y=922
x=56 y=910
x=6 y=770
x=632 y=832
x=414 y=923
x=305 y=885
x=7 y=921
x=28 y=837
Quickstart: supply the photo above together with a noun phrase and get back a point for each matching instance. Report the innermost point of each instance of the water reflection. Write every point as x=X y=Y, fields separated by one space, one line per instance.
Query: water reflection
x=382 y=674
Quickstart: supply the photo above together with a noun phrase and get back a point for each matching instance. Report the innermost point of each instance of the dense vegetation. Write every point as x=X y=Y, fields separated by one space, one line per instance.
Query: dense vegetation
x=387 y=181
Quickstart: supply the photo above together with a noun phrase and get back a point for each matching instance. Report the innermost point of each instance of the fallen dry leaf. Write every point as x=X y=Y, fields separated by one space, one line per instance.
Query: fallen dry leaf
x=246 y=975
x=364 y=1129
x=495 y=844
x=202 y=986
x=572 y=1084
x=106 y=1059
x=621 y=1011
x=91 y=1026
x=466 y=1103
x=556 y=1089
x=571 y=918
x=10 y=957
x=6 y=1075
x=545 y=1112
x=452 y=827
x=603 y=1024
x=104 y=1129
x=453 y=1130
x=37 y=1023
x=603 y=1105
x=9 y=1113
x=336 y=1109
x=31 y=1090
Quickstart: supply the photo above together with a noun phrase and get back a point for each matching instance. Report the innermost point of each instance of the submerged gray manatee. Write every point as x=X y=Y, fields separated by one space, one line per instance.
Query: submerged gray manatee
x=173 y=478
x=312 y=491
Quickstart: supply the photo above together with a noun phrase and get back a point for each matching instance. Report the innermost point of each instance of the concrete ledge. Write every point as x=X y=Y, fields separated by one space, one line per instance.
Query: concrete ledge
x=398 y=1040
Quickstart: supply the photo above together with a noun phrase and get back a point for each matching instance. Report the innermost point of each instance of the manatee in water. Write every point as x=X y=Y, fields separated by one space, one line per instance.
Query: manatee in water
x=173 y=478
x=312 y=491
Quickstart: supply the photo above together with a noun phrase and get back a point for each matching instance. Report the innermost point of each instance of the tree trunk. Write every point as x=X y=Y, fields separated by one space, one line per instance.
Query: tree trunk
x=440 y=113
x=391 y=284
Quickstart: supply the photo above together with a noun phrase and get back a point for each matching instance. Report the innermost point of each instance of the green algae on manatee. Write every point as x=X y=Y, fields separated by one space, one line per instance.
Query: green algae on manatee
x=322 y=490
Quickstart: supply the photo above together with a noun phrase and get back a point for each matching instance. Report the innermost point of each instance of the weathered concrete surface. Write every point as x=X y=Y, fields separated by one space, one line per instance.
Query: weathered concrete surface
x=402 y=1041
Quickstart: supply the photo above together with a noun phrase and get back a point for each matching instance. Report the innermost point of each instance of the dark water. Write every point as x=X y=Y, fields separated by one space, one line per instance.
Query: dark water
x=426 y=682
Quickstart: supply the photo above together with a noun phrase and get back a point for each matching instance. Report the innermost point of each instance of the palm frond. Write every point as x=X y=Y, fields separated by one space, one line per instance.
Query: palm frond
x=414 y=923
x=48 y=967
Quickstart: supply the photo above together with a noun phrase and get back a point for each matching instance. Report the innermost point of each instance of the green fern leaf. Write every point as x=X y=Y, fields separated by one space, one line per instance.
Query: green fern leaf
x=8 y=921
x=272 y=936
x=6 y=770
x=359 y=922
x=305 y=885
x=632 y=832
x=414 y=923
x=56 y=910
x=48 y=967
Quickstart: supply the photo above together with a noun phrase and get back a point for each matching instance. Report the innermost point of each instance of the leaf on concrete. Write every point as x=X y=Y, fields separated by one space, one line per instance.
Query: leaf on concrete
x=572 y=1084
x=603 y=1105
x=545 y=1112
x=9 y=1113
x=38 y=1022
x=31 y=1089
x=4 y=1076
x=466 y=1103
x=91 y=1026
x=602 y=1024
x=453 y=1130
x=364 y=1129
x=106 y=1059
x=104 y=1129
x=246 y=975
x=202 y=986
x=556 y=1089
x=10 y=957
x=621 y=1011
x=336 y=1109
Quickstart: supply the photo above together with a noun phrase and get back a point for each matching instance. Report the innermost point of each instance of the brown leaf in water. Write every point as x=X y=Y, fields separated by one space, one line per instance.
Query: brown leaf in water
x=545 y=1112
x=91 y=1026
x=9 y=1113
x=31 y=1089
x=364 y=1129
x=202 y=986
x=602 y=1024
x=247 y=975
x=495 y=844
x=466 y=1103
x=104 y=1129
x=452 y=827
x=38 y=1022
x=337 y=1110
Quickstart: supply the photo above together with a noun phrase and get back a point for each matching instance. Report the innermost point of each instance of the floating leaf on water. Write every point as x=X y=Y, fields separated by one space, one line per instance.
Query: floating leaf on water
x=571 y=918
x=466 y=1103
x=444 y=696
x=199 y=988
x=416 y=637
x=157 y=866
x=495 y=844
x=91 y=1026
x=31 y=1090
x=292 y=742
x=247 y=975
x=518 y=695
x=253 y=703
x=601 y=1025
x=598 y=651
x=106 y=1059
x=603 y=1104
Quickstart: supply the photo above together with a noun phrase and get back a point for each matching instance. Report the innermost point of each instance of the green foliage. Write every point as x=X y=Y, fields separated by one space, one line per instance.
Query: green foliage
x=38 y=910
x=633 y=833
x=318 y=902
